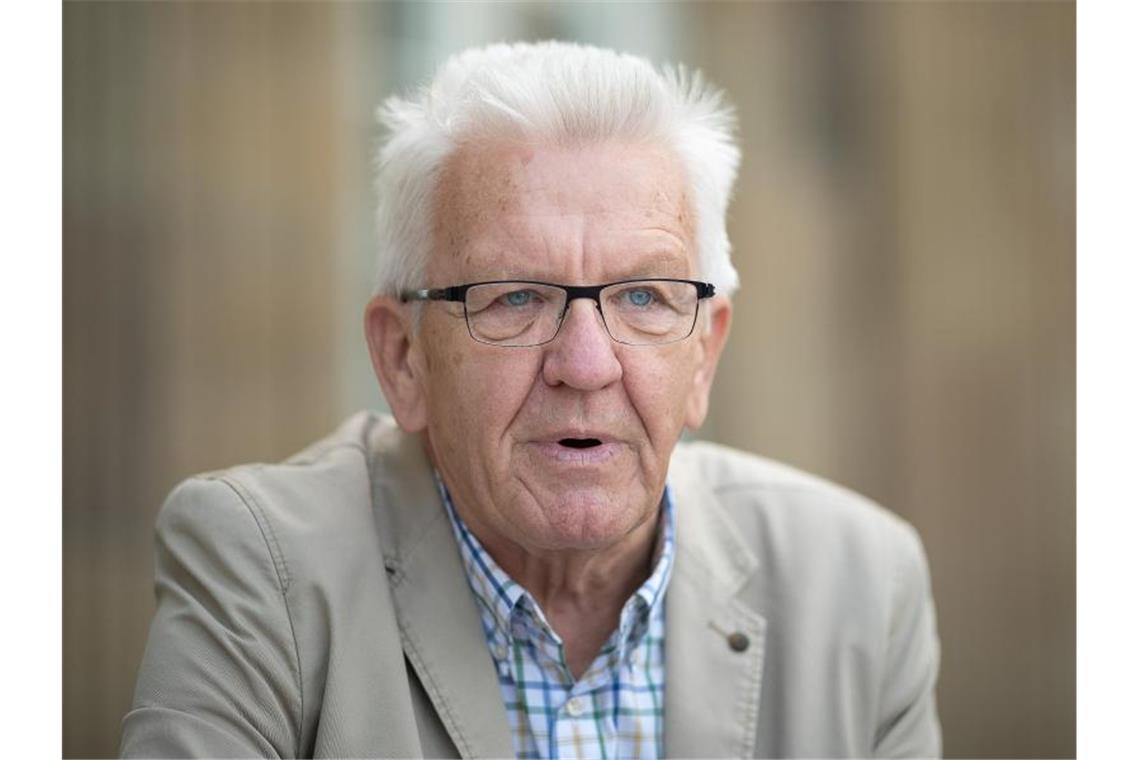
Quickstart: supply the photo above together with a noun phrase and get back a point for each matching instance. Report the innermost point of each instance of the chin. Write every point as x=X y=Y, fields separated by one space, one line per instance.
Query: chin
x=588 y=521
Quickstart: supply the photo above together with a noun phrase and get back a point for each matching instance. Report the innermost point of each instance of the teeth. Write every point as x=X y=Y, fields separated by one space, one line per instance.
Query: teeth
x=580 y=443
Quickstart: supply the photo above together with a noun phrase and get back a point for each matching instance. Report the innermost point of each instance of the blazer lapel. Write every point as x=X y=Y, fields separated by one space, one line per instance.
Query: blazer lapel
x=714 y=643
x=439 y=622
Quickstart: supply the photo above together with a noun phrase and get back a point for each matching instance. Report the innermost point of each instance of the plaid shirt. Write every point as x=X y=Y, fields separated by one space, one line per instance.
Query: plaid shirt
x=616 y=709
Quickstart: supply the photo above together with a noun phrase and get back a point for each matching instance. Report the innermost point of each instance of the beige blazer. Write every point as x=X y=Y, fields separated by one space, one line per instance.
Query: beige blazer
x=318 y=607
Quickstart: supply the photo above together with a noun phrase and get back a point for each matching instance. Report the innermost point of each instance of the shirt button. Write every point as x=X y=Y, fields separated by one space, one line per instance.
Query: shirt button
x=575 y=707
x=635 y=657
x=500 y=652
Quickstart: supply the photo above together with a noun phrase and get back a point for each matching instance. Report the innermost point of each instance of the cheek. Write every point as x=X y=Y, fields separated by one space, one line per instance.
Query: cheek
x=495 y=390
x=659 y=390
x=441 y=359
x=444 y=366
x=475 y=390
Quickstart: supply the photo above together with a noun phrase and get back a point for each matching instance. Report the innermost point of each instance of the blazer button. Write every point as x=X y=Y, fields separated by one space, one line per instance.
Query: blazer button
x=738 y=642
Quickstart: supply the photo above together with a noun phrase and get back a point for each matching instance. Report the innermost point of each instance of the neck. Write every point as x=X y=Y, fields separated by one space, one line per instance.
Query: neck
x=582 y=577
x=581 y=593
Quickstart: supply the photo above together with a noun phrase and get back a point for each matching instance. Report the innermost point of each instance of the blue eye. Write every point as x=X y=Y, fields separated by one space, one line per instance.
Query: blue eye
x=639 y=297
x=518 y=297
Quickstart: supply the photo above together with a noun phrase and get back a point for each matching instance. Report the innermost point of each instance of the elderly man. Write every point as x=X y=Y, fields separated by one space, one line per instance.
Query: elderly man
x=525 y=561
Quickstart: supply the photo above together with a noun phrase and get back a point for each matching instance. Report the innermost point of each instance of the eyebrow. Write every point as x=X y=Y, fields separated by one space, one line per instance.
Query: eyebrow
x=657 y=264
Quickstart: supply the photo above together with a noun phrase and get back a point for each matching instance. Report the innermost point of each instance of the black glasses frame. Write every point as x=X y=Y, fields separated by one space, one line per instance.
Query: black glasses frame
x=458 y=294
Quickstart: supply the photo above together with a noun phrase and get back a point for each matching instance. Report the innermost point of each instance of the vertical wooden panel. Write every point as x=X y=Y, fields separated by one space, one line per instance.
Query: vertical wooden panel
x=985 y=161
x=201 y=253
x=107 y=375
x=904 y=228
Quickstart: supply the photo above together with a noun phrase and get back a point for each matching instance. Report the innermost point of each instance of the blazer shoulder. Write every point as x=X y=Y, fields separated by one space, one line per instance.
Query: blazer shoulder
x=754 y=488
x=315 y=504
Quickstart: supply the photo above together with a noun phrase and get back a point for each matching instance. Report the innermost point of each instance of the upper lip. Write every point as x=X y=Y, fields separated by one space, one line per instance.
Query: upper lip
x=580 y=434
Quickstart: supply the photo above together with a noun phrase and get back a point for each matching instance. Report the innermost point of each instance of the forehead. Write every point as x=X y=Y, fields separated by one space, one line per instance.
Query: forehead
x=509 y=209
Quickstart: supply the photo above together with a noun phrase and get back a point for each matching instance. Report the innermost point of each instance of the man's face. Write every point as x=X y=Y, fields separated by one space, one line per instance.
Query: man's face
x=496 y=417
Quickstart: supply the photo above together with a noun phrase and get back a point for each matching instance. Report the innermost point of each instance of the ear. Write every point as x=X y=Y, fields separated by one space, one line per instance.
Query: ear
x=389 y=331
x=712 y=341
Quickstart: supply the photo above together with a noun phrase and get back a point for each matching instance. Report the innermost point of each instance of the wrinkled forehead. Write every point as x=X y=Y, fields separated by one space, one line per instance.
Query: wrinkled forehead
x=497 y=195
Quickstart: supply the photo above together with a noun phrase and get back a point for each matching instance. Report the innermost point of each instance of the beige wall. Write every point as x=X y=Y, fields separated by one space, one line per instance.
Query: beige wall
x=904 y=227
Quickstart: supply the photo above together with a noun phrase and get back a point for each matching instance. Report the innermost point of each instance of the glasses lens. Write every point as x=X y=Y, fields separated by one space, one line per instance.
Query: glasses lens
x=650 y=311
x=514 y=313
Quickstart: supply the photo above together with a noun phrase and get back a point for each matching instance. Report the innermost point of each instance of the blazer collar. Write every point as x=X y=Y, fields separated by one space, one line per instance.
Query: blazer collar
x=714 y=641
x=439 y=623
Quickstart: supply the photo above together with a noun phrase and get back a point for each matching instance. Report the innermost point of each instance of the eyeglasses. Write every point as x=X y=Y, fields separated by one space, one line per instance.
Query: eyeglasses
x=519 y=313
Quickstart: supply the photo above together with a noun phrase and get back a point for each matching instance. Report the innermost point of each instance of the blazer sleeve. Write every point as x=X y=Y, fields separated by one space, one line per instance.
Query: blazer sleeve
x=908 y=724
x=220 y=675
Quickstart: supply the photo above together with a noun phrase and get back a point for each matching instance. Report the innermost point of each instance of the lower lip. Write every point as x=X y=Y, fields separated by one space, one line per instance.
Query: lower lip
x=566 y=455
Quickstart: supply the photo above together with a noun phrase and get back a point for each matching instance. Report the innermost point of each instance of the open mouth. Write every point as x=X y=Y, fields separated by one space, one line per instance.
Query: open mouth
x=580 y=443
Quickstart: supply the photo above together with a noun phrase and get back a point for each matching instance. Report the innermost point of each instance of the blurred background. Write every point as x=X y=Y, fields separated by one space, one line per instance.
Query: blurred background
x=904 y=227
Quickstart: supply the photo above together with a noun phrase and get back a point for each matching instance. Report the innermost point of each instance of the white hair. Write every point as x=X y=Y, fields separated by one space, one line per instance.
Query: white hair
x=556 y=93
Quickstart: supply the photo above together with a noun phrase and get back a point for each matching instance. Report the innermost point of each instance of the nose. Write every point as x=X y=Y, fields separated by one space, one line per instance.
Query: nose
x=582 y=355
